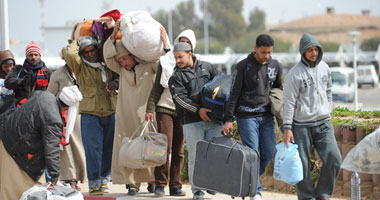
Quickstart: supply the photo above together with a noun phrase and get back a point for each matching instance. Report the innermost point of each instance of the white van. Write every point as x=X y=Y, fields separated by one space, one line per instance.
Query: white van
x=343 y=88
x=367 y=75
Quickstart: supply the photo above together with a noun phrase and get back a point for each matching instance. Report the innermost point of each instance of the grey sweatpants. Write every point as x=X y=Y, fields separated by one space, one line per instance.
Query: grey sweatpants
x=323 y=139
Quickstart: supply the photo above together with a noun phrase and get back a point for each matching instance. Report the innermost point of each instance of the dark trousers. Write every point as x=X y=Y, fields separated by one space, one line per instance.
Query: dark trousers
x=323 y=139
x=171 y=127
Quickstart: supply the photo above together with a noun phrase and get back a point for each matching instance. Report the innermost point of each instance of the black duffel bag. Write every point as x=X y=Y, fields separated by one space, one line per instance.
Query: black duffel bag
x=214 y=96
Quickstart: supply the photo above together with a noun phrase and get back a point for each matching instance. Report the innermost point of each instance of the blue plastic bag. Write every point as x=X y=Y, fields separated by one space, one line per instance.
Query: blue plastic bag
x=287 y=164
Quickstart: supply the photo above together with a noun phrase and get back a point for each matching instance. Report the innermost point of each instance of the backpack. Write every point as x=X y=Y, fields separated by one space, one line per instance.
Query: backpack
x=215 y=94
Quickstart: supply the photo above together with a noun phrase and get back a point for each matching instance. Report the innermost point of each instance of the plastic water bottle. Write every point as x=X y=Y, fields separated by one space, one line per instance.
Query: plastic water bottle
x=355 y=186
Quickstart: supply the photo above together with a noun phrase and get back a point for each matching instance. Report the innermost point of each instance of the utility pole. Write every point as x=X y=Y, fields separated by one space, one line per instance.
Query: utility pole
x=354 y=37
x=206 y=26
x=43 y=24
x=4 y=25
x=170 y=27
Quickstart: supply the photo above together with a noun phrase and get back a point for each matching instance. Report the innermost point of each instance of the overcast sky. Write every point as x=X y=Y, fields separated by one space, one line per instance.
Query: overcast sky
x=25 y=16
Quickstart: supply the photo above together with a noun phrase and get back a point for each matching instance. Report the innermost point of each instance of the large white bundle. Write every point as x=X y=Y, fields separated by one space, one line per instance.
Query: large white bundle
x=141 y=35
x=365 y=156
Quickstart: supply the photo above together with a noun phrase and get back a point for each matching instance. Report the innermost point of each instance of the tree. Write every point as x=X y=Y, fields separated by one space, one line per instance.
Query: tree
x=257 y=20
x=370 y=44
x=225 y=19
x=183 y=17
x=330 y=46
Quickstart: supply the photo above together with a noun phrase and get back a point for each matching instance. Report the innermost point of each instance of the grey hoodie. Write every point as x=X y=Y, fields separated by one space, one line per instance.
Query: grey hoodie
x=307 y=91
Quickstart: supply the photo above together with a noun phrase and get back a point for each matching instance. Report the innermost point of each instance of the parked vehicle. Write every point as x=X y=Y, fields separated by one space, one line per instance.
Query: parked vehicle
x=367 y=75
x=343 y=88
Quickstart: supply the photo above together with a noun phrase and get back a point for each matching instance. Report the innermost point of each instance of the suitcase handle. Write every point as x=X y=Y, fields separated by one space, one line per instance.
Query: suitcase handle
x=213 y=139
x=229 y=153
x=228 y=157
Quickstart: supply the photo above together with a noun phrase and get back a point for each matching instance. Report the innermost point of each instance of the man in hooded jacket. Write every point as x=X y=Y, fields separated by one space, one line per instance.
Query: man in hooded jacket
x=7 y=62
x=307 y=121
x=31 y=135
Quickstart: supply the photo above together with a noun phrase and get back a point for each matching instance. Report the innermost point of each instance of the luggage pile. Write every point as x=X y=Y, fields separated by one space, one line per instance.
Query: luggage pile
x=139 y=33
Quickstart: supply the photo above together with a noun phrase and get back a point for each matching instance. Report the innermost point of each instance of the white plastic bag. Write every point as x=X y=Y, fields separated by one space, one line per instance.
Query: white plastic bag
x=41 y=192
x=141 y=35
x=37 y=192
x=287 y=164
x=365 y=156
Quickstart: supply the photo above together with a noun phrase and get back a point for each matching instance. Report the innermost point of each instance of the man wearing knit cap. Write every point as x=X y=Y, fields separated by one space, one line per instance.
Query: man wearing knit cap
x=97 y=83
x=136 y=82
x=190 y=75
x=30 y=141
x=32 y=75
x=168 y=122
x=307 y=118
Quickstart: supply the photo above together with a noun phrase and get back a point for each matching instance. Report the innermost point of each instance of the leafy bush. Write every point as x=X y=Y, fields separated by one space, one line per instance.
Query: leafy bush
x=370 y=44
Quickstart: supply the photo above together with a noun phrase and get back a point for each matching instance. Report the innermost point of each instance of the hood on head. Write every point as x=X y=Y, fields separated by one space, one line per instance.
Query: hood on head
x=308 y=40
x=6 y=55
x=189 y=34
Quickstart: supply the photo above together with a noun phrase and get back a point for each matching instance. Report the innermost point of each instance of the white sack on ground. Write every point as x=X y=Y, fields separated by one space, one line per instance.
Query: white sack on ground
x=365 y=156
x=141 y=35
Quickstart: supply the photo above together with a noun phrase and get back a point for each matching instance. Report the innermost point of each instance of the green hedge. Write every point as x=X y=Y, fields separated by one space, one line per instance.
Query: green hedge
x=341 y=116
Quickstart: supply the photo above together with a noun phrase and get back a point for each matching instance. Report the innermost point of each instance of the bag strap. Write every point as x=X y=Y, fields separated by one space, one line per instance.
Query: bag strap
x=144 y=125
x=71 y=75
x=138 y=128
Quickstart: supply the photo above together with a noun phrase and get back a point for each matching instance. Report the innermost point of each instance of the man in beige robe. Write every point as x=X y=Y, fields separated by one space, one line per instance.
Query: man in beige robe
x=73 y=160
x=135 y=83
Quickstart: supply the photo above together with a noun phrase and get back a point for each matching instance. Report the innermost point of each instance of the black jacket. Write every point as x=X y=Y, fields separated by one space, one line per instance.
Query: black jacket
x=2 y=74
x=22 y=91
x=185 y=86
x=251 y=86
x=31 y=134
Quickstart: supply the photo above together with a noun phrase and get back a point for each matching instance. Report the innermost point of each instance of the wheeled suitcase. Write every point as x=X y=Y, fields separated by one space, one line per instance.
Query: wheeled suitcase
x=224 y=165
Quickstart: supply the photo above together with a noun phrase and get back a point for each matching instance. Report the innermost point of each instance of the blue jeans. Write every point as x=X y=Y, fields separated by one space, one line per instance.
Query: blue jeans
x=258 y=134
x=97 y=138
x=194 y=132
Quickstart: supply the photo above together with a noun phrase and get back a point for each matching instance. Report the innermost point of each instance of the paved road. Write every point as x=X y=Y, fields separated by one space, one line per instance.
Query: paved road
x=368 y=99
x=118 y=192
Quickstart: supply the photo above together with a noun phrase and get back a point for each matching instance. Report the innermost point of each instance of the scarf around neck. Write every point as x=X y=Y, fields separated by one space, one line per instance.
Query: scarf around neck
x=98 y=65
x=29 y=66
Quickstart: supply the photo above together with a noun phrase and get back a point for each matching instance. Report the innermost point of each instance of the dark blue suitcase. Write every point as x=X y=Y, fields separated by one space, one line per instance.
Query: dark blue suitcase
x=226 y=166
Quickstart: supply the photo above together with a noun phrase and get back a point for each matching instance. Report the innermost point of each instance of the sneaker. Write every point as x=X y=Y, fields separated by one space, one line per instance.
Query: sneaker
x=132 y=191
x=105 y=188
x=198 y=195
x=150 y=188
x=96 y=191
x=177 y=192
x=212 y=192
x=159 y=191
x=257 y=197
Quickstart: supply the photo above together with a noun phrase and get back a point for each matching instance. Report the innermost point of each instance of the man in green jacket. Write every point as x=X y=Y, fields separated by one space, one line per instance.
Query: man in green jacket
x=97 y=84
